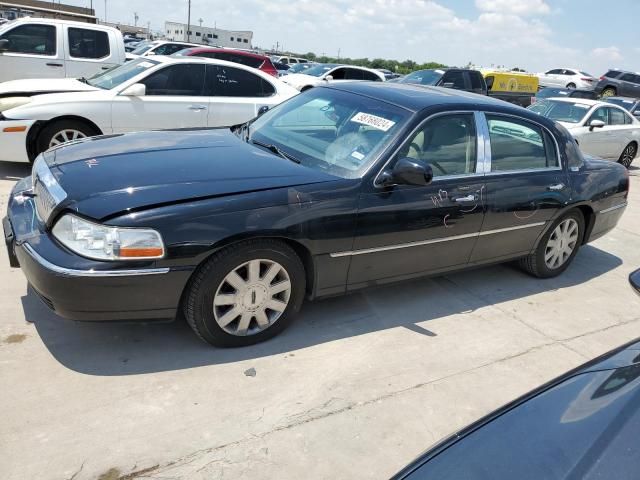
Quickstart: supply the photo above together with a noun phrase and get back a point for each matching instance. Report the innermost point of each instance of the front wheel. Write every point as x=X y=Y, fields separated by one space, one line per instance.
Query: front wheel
x=558 y=247
x=628 y=154
x=245 y=293
x=571 y=86
x=62 y=131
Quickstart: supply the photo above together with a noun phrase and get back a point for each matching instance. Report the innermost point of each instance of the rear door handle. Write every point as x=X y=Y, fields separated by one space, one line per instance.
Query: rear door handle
x=106 y=68
x=556 y=188
x=468 y=198
x=197 y=107
x=55 y=65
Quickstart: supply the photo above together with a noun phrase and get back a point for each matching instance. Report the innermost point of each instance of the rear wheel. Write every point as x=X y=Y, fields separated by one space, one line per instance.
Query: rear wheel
x=628 y=154
x=62 y=131
x=245 y=293
x=608 y=92
x=558 y=247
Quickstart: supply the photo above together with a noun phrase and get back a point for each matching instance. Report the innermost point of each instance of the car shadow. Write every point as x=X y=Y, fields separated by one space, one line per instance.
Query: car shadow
x=135 y=348
x=14 y=171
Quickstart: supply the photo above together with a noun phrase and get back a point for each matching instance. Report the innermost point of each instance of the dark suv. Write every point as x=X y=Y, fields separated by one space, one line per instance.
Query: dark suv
x=456 y=78
x=620 y=83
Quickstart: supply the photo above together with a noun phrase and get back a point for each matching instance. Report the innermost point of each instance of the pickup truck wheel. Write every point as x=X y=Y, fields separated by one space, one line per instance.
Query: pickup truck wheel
x=558 y=247
x=62 y=131
x=628 y=154
x=245 y=293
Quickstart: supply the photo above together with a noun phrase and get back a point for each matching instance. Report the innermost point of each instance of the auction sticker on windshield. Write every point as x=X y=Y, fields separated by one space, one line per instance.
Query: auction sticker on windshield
x=373 y=121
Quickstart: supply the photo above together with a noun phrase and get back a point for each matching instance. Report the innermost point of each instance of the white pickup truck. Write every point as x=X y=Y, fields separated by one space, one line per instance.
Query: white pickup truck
x=50 y=48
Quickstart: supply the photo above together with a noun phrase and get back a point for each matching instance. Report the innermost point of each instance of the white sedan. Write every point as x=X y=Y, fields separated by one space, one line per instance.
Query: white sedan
x=567 y=78
x=146 y=94
x=331 y=72
x=601 y=129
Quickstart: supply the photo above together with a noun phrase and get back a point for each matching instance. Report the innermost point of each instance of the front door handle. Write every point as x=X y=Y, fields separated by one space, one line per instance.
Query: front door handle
x=197 y=107
x=556 y=188
x=468 y=198
x=55 y=65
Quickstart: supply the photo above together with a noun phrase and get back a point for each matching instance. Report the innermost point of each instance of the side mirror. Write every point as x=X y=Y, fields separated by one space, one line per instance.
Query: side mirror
x=595 y=124
x=634 y=280
x=328 y=78
x=408 y=171
x=4 y=45
x=262 y=110
x=135 y=90
x=636 y=113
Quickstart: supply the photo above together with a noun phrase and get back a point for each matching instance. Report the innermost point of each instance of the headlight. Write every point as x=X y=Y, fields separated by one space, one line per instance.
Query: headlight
x=102 y=242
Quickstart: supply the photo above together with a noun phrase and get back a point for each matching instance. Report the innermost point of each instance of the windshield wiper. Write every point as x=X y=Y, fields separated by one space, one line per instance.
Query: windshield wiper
x=83 y=80
x=276 y=150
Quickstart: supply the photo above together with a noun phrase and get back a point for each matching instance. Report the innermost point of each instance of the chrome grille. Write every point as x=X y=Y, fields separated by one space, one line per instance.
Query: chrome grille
x=47 y=191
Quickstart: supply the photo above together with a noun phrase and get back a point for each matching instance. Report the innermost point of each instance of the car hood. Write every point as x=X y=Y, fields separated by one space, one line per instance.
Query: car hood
x=110 y=175
x=30 y=87
x=300 y=79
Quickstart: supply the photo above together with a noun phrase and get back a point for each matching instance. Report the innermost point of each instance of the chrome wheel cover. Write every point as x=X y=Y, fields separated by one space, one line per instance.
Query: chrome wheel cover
x=252 y=297
x=561 y=243
x=628 y=155
x=65 y=135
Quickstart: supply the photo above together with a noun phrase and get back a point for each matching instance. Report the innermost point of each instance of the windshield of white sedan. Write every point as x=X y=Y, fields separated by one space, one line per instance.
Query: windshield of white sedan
x=318 y=71
x=115 y=76
x=330 y=130
x=561 y=111
x=142 y=48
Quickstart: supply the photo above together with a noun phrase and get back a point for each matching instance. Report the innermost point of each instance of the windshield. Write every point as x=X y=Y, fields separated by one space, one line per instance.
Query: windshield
x=330 y=130
x=299 y=68
x=318 y=70
x=423 y=77
x=561 y=111
x=626 y=104
x=121 y=73
x=143 y=47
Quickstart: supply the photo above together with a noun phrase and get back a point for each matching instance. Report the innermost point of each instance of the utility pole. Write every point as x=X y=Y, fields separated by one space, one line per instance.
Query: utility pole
x=338 y=54
x=105 y=11
x=135 y=19
x=200 y=20
x=189 y=21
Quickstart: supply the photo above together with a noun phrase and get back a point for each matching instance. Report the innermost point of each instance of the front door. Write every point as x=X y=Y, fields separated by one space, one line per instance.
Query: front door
x=407 y=230
x=525 y=188
x=174 y=98
x=33 y=50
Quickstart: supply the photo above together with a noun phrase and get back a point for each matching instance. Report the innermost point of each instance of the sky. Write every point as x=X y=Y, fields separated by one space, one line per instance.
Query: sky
x=536 y=35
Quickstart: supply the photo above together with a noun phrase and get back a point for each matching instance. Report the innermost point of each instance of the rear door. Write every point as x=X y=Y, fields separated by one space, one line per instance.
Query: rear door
x=34 y=50
x=629 y=85
x=526 y=186
x=411 y=230
x=175 y=98
x=88 y=51
x=236 y=95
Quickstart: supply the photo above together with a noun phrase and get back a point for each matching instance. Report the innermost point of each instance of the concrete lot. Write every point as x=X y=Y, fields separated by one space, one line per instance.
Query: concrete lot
x=356 y=388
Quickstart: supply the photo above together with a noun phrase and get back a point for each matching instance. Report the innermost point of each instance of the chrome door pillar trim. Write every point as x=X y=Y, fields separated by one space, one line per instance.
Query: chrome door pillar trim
x=484 y=144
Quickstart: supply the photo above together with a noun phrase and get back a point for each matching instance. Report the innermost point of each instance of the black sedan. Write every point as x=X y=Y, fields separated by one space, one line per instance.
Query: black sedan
x=581 y=426
x=339 y=188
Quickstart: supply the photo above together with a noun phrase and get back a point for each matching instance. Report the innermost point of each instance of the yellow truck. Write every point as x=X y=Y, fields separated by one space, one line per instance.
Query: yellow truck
x=514 y=87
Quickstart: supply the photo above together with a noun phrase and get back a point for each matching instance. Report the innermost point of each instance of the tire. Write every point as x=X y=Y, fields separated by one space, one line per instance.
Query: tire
x=628 y=154
x=59 y=130
x=224 y=323
x=608 y=92
x=571 y=86
x=538 y=265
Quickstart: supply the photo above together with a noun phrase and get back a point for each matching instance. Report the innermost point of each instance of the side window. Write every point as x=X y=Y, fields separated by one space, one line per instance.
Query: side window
x=602 y=114
x=370 y=76
x=453 y=79
x=234 y=82
x=628 y=77
x=476 y=82
x=616 y=117
x=353 y=74
x=339 y=74
x=519 y=145
x=556 y=71
x=168 y=49
x=447 y=143
x=84 y=43
x=31 y=39
x=179 y=80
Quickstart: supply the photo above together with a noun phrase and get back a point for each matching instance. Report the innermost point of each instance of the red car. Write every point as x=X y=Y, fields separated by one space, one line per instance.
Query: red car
x=237 y=56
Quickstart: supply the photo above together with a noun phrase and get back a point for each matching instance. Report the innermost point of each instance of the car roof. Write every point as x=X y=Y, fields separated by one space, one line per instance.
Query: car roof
x=624 y=99
x=417 y=97
x=93 y=26
x=225 y=50
x=584 y=101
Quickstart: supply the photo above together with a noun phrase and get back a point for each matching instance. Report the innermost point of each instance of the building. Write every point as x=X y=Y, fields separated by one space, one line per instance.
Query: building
x=132 y=30
x=206 y=35
x=14 y=9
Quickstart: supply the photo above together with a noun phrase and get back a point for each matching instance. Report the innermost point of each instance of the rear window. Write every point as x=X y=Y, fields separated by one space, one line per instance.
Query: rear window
x=235 y=58
x=613 y=73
